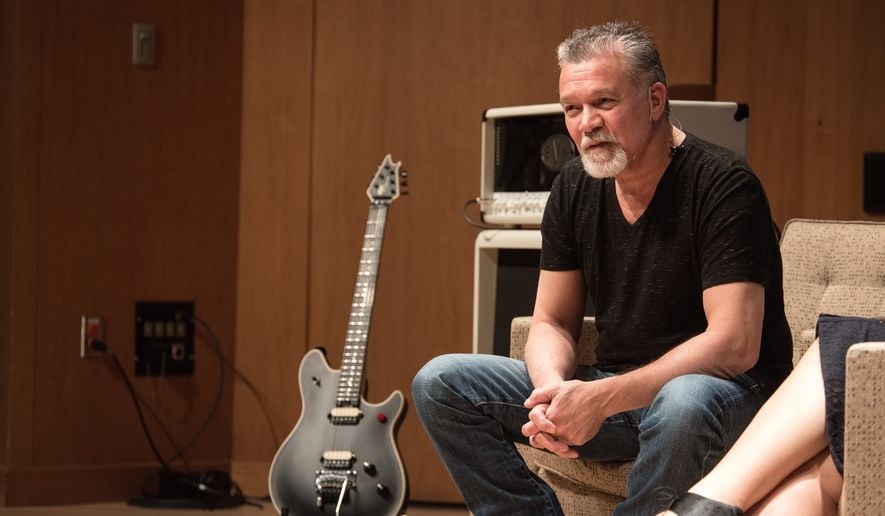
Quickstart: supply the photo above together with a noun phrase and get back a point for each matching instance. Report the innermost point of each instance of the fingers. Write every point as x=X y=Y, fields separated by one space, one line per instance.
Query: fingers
x=539 y=395
x=538 y=416
x=545 y=441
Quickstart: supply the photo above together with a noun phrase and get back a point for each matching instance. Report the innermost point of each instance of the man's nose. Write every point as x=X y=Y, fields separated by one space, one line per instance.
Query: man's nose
x=590 y=120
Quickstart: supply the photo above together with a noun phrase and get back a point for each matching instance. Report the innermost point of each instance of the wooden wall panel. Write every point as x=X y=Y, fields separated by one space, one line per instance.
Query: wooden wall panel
x=809 y=71
x=274 y=197
x=22 y=179
x=133 y=175
x=8 y=112
x=412 y=79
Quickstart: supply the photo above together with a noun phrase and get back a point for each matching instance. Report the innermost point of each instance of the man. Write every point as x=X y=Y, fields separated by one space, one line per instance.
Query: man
x=673 y=239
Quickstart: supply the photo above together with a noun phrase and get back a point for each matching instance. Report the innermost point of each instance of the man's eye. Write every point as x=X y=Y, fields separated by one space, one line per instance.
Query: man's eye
x=570 y=109
x=605 y=102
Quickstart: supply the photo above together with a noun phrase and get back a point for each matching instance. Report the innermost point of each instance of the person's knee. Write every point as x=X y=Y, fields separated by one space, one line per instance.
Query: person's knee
x=686 y=404
x=432 y=378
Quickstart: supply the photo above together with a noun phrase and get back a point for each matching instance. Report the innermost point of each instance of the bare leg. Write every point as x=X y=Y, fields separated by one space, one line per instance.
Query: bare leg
x=814 y=488
x=787 y=432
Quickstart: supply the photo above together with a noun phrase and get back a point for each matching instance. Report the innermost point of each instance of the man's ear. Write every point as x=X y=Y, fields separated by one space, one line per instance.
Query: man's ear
x=657 y=100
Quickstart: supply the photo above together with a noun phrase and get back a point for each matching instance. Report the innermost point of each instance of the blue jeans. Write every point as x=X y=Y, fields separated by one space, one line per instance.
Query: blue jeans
x=471 y=407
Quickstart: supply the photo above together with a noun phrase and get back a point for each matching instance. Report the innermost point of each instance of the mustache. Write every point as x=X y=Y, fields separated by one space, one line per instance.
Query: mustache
x=588 y=141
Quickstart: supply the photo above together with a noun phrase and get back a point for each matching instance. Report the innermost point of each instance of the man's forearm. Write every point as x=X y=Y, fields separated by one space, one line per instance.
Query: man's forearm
x=550 y=354
x=705 y=353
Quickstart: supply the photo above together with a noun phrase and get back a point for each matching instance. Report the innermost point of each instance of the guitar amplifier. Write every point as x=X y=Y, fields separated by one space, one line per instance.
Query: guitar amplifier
x=524 y=148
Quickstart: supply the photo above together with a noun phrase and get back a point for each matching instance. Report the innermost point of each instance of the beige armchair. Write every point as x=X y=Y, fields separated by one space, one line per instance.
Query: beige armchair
x=829 y=267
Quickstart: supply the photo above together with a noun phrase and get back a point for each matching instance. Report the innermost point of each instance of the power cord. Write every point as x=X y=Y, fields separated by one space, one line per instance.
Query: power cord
x=207 y=490
x=99 y=345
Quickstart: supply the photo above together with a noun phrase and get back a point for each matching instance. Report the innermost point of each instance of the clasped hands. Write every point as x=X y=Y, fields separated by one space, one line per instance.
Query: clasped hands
x=564 y=415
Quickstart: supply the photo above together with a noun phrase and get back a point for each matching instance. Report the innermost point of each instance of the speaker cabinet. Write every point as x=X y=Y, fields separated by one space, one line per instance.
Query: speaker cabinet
x=505 y=278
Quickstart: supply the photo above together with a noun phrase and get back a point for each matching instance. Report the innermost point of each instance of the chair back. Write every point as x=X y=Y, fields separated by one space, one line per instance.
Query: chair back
x=831 y=267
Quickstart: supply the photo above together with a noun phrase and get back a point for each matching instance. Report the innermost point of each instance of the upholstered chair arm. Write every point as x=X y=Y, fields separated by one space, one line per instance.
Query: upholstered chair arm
x=864 y=488
x=519 y=332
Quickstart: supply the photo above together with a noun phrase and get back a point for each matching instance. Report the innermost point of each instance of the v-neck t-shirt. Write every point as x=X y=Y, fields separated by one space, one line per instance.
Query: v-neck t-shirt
x=708 y=224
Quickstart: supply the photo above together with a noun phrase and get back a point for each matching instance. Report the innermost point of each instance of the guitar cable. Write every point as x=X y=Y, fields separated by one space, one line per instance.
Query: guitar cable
x=232 y=498
x=481 y=225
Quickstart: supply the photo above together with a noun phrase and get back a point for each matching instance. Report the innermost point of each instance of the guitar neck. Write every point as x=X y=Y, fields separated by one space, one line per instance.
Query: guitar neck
x=354 y=359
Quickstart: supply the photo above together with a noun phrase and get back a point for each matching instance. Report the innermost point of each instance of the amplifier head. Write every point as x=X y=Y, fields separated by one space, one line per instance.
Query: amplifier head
x=523 y=149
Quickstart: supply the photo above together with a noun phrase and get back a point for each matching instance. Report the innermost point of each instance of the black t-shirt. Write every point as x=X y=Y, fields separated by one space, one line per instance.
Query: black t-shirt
x=708 y=224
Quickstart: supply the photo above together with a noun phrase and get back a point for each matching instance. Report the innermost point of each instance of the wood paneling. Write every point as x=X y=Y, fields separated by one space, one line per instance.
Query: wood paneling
x=126 y=189
x=809 y=71
x=412 y=79
x=274 y=198
x=22 y=178
x=8 y=46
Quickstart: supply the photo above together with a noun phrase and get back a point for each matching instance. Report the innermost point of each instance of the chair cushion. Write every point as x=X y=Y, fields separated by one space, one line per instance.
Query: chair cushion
x=606 y=477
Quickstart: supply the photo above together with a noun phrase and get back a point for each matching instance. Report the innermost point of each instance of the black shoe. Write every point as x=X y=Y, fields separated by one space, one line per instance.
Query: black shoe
x=691 y=504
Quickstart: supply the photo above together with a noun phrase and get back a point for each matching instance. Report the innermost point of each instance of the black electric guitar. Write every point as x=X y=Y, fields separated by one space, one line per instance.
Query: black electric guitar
x=341 y=457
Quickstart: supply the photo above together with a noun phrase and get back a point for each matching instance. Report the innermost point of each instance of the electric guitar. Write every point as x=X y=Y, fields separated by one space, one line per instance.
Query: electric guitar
x=341 y=457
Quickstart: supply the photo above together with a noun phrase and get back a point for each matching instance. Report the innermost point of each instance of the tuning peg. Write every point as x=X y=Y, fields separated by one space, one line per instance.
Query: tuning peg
x=404 y=173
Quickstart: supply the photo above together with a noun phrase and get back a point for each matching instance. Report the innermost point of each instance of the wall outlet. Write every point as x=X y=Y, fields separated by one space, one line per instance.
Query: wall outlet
x=91 y=330
x=164 y=338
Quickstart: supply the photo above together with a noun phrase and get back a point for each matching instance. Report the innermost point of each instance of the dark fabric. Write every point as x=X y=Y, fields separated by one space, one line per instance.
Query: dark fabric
x=691 y=504
x=708 y=224
x=836 y=334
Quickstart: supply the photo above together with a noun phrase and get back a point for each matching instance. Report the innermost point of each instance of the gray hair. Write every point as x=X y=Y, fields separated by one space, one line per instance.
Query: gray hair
x=631 y=39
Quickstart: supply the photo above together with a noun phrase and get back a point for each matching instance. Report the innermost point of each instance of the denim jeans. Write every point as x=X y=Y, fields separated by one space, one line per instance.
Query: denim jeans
x=471 y=407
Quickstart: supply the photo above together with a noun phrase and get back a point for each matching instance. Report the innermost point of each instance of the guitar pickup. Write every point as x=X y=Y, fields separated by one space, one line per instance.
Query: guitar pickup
x=338 y=459
x=345 y=415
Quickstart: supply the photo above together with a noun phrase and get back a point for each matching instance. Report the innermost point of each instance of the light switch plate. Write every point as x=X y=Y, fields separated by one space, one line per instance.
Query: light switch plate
x=144 y=44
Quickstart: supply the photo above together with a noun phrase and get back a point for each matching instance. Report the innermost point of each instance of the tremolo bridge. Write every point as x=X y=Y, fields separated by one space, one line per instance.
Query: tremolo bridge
x=336 y=479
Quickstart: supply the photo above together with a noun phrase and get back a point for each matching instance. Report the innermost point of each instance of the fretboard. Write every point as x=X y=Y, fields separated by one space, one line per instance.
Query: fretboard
x=354 y=358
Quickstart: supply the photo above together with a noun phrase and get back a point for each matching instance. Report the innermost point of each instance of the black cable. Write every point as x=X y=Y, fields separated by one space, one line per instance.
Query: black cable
x=99 y=345
x=219 y=393
x=236 y=497
x=480 y=225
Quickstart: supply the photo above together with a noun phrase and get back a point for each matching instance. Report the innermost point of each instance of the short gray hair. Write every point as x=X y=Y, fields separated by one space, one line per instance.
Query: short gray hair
x=631 y=39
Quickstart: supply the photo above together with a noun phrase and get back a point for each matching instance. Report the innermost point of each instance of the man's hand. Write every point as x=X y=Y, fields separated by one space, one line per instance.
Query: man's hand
x=566 y=414
x=541 y=431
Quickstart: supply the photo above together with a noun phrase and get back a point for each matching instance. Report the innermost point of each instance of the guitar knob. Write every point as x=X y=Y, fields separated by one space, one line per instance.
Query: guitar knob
x=382 y=490
x=369 y=468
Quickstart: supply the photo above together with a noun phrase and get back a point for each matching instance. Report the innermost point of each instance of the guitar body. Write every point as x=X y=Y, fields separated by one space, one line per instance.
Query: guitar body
x=309 y=471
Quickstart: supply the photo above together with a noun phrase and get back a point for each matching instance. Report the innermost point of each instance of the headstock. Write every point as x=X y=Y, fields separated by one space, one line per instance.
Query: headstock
x=389 y=182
